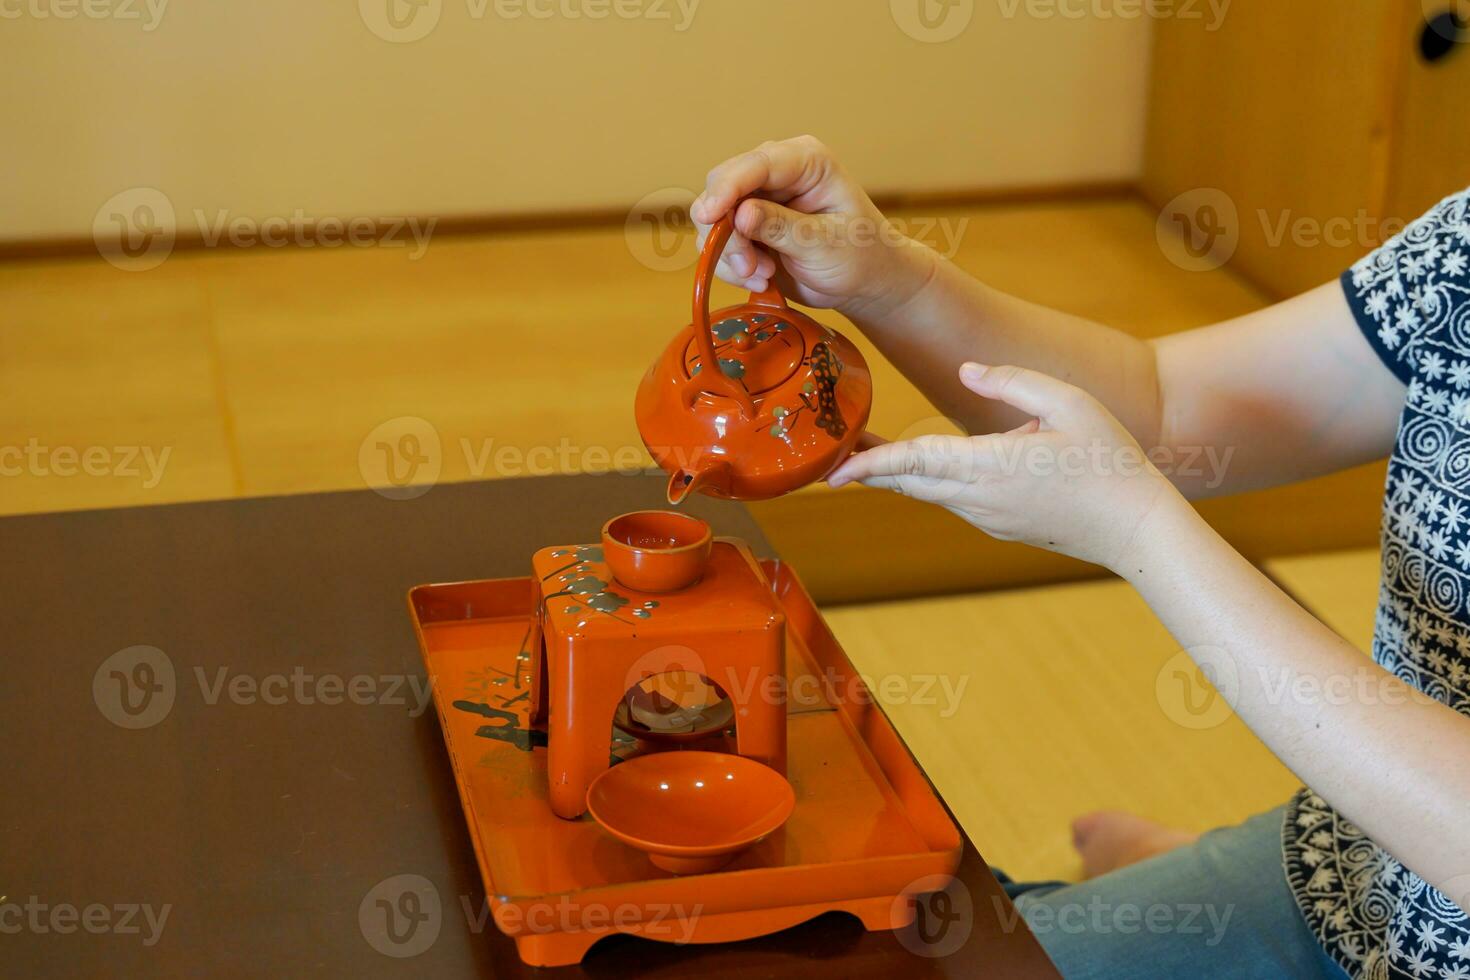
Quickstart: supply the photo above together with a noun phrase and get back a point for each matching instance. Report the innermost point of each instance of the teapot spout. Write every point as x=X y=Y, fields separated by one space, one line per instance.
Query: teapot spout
x=683 y=482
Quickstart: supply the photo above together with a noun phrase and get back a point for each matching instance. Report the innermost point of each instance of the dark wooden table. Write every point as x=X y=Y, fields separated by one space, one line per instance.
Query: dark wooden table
x=219 y=754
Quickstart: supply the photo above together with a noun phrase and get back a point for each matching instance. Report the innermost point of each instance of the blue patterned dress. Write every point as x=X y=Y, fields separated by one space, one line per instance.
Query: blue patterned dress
x=1412 y=299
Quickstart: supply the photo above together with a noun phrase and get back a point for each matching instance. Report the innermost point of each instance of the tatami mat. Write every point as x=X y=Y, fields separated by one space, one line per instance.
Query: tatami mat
x=1074 y=698
x=269 y=370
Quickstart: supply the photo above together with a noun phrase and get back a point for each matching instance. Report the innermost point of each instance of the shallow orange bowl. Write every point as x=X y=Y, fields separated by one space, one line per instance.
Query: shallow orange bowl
x=693 y=812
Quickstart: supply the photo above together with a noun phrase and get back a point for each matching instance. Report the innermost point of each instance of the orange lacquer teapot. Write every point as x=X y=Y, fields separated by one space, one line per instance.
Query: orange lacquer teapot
x=754 y=400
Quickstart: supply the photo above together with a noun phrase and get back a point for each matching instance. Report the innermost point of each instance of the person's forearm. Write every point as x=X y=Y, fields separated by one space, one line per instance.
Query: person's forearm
x=954 y=318
x=1392 y=760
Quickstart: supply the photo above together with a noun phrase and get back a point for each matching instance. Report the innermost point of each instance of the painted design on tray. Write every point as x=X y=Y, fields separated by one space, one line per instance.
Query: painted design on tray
x=586 y=583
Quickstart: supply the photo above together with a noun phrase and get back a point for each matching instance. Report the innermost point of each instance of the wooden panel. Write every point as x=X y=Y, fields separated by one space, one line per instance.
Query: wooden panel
x=515 y=106
x=1285 y=109
x=1029 y=708
x=1431 y=146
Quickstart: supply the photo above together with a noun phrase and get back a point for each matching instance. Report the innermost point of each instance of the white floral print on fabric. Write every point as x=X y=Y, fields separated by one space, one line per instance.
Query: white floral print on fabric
x=1412 y=298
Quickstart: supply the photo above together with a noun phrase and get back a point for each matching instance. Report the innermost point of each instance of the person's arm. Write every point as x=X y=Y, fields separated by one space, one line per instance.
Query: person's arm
x=1389 y=758
x=1282 y=394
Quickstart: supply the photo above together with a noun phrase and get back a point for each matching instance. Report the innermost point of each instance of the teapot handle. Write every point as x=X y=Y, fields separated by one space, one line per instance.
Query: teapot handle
x=713 y=378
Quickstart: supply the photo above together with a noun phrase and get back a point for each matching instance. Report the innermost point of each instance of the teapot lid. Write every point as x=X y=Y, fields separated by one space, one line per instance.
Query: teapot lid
x=754 y=347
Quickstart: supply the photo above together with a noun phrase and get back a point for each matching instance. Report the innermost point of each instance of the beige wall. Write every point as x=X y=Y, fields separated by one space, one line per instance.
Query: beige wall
x=263 y=107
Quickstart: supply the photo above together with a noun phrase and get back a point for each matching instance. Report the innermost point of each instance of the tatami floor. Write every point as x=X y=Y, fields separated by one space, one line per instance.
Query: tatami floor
x=264 y=372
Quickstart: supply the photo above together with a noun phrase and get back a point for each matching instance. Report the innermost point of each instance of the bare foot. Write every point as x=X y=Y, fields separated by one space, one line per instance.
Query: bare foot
x=1111 y=839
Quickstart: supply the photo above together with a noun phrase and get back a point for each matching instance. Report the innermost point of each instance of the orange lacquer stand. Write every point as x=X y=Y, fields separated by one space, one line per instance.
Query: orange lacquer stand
x=866 y=829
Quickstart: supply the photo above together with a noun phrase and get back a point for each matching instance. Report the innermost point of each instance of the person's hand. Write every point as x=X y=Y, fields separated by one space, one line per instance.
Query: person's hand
x=1072 y=480
x=835 y=248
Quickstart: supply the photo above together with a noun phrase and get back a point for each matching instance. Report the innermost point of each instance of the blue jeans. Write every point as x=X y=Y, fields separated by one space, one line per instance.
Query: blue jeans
x=1218 y=908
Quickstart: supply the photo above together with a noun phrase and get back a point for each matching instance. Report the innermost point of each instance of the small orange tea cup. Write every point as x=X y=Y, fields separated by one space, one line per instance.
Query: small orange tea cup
x=656 y=550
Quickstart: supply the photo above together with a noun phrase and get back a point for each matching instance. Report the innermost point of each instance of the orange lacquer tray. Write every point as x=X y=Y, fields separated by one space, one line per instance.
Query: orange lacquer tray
x=867 y=828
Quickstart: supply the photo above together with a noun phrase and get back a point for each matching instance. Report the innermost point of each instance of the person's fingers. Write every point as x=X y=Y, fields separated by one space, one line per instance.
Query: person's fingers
x=739 y=260
x=928 y=457
x=919 y=488
x=866 y=441
x=783 y=169
x=778 y=227
x=1026 y=428
x=1054 y=402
